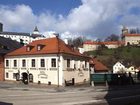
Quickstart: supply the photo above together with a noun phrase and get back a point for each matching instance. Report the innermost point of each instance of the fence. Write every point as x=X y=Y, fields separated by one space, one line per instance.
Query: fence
x=111 y=79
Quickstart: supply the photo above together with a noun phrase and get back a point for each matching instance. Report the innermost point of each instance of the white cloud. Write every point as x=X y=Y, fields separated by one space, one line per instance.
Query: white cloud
x=94 y=18
x=17 y=18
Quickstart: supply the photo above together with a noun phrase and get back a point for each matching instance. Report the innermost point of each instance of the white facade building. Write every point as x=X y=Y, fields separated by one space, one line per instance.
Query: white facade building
x=48 y=61
x=19 y=37
x=129 y=38
x=92 y=45
x=119 y=68
x=24 y=38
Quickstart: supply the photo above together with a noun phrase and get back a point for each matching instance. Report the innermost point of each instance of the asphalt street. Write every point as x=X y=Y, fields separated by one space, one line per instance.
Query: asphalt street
x=20 y=94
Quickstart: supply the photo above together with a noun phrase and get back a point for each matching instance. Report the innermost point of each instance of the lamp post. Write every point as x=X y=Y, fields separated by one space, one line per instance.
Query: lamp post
x=58 y=60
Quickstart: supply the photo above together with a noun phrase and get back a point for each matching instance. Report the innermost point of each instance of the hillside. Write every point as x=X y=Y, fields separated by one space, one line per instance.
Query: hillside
x=128 y=55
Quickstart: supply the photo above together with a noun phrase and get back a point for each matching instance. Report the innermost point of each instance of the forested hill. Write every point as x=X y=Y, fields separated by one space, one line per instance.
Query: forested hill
x=129 y=55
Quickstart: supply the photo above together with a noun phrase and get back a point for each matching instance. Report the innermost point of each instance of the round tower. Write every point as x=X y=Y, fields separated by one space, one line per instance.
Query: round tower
x=124 y=30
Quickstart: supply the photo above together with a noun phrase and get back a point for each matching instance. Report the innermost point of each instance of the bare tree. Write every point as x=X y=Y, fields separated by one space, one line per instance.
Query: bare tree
x=77 y=42
x=112 y=37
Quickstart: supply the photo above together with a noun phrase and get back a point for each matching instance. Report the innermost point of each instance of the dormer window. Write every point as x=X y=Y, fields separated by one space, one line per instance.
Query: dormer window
x=4 y=47
x=39 y=47
x=29 y=48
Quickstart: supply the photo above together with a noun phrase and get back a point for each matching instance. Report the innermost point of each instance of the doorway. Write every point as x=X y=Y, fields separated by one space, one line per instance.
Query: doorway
x=25 y=78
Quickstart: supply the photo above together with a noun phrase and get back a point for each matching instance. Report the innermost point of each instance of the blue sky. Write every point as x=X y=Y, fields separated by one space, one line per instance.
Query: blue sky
x=55 y=6
x=90 y=18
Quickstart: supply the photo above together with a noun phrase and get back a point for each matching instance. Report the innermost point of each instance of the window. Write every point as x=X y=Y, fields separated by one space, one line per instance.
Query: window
x=42 y=62
x=15 y=63
x=68 y=62
x=38 y=48
x=74 y=66
x=7 y=75
x=53 y=62
x=85 y=64
x=30 y=77
x=33 y=62
x=28 y=48
x=23 y=63
x=7 y=63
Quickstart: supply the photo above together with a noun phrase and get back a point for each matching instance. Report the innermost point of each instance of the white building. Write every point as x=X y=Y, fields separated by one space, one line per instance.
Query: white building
x=130 y=39
x=90 y=46
x=93 y=45
x=119 y=68
x=132 y=70
x=21 y=37
x=48 y=61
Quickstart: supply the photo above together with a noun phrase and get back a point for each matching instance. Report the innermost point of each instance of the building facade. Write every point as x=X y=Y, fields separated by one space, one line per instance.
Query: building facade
x=48 y=61
x=129 y=38
x=6 y=45
x=1 y=67
x=119 y=68
x=24 y=38
x=92 y=45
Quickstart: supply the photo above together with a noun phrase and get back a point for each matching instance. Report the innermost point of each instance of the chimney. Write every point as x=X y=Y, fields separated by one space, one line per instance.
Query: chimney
x=1 y=27
x=66 y=41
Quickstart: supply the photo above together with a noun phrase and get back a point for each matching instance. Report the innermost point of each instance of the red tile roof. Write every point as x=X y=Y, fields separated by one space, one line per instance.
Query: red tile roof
x=98 y=66
x=91 y=42
x=105 y=43
x=132 y=35
x=111 y=43
x=50 y=47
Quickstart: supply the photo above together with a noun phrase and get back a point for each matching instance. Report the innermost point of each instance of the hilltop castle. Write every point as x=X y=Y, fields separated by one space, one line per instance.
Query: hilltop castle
x=24 y=38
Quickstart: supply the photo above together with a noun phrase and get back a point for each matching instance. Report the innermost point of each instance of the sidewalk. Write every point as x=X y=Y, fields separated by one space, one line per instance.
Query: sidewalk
x=53 y=89
x=42 y=87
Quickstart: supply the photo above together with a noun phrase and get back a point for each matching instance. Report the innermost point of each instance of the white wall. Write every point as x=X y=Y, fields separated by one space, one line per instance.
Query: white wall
x=132 y=40
x=48 y=74
x=80 y=73
x=26 y=39
x=49 y=71
x=90 y=47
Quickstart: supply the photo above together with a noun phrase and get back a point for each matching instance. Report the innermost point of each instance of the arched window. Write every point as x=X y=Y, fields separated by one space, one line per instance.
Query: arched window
x=30 y=77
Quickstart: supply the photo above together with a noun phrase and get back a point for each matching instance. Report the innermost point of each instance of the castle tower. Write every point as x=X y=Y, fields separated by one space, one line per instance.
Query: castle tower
x=36 y=31
x=124 y=30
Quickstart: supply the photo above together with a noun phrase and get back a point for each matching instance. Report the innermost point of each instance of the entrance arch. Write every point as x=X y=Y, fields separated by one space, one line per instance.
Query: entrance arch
x=25 y=78
x=17 y=77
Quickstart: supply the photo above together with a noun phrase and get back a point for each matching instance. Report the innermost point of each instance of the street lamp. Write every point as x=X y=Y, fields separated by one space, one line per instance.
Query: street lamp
x=58 y=61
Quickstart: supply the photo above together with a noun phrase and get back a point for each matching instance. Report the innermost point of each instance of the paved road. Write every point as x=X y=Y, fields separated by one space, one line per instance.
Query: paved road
x=26 y=95
x=20 y=97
